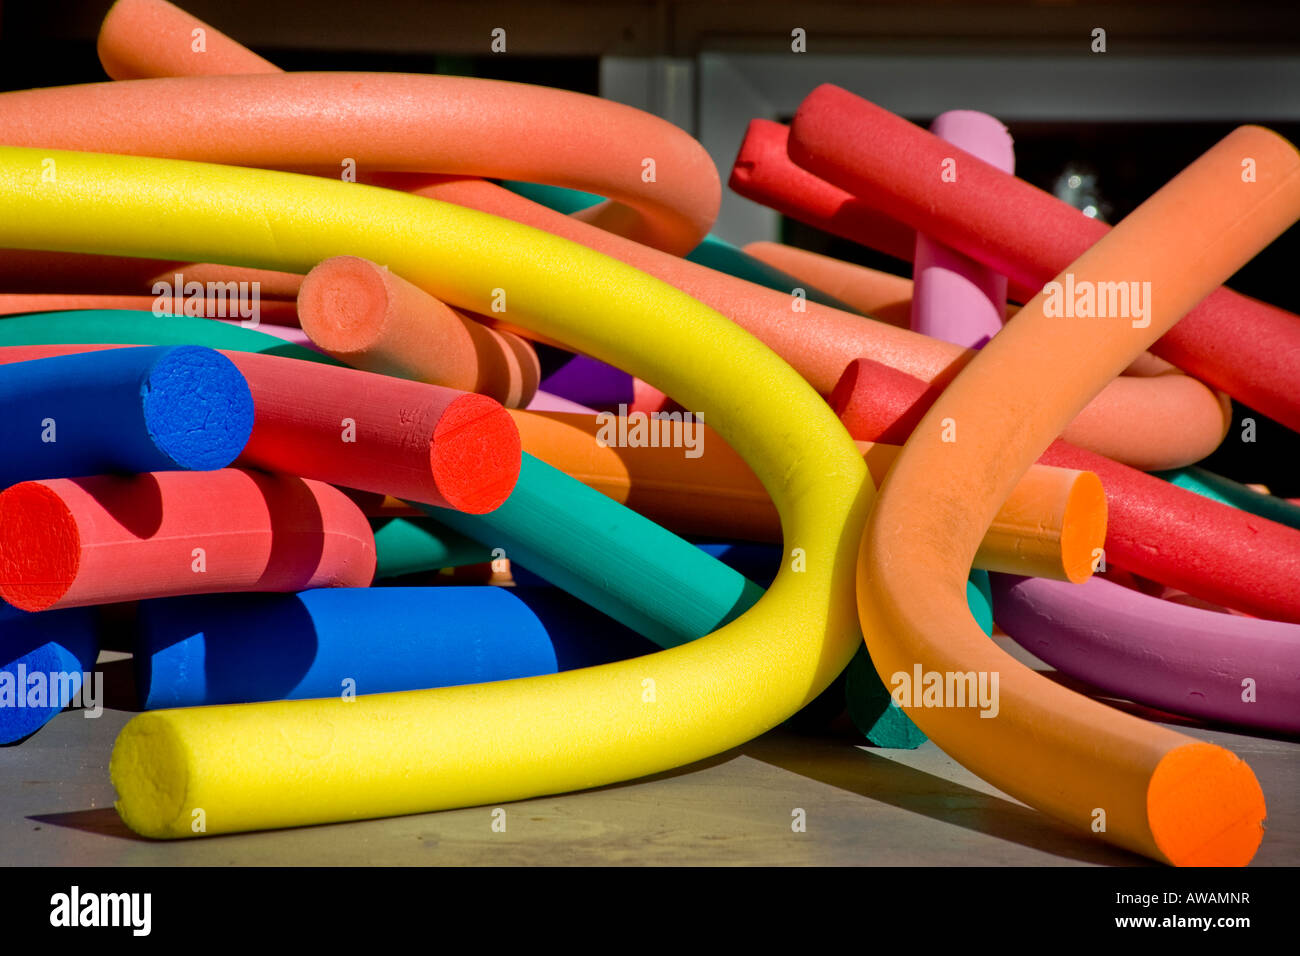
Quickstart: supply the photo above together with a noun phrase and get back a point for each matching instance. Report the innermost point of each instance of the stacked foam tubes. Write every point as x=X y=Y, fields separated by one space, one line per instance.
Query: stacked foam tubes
x=1048 y=527
x=360 y=430
x=819 y=345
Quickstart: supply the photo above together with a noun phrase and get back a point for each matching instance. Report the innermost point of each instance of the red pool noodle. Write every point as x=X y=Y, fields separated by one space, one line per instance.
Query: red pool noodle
x=73 y=542
x=1155 y=529
x=764 y=173
x=414 y=441
x=1247 y=348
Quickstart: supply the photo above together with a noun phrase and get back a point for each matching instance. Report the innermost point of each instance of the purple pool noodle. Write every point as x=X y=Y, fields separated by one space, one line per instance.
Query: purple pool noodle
x=955 y=298
x=546 y=402
x=1184 y=660
x=588 y=381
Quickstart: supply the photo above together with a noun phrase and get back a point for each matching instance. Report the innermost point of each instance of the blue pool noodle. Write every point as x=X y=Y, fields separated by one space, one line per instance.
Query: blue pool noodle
x=158 y=408
x=239 y=648
x=52 y=642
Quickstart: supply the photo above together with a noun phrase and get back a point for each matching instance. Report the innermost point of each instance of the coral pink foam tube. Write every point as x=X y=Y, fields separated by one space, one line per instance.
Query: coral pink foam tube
x=67 y=542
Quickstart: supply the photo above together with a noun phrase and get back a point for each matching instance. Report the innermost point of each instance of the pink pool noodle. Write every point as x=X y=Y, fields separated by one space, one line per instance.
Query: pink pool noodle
x=1181 y=659
x=1245 y=347
x=954 y=298
x=72 y=542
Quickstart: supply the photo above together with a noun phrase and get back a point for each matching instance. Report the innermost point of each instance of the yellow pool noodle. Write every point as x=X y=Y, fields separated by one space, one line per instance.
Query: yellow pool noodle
x=258 y=766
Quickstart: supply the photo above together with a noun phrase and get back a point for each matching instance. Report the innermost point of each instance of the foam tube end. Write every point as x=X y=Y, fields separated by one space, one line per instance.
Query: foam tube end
x=1205 y=807
x=476 y=454
x=197 y=408
x=40 y=546
x=150 y=772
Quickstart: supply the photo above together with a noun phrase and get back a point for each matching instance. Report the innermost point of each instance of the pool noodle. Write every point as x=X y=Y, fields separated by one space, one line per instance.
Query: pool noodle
x=764 y=173
x=271 y=311
x=1229 y=492
x=1153 y=529
x=365 y=316
x=873 y=710
x=74 y=542
x=394 y=122
x=954 y=298
x=826 y=340
x=406 y=438
x=60 y=643
x=1247 y=348
x=1047 y=527
x=712 y=252
x=410 y=547
x=1184 y=660
x=143 y=409
x=1165 y=795
x=546 y=734
x=194 y=651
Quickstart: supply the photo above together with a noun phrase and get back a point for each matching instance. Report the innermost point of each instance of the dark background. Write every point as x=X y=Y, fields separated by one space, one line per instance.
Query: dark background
x=52 y=42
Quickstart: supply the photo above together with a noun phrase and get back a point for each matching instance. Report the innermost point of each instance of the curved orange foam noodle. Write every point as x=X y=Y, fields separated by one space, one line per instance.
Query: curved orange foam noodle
x=664 y=184
x=1153 y=790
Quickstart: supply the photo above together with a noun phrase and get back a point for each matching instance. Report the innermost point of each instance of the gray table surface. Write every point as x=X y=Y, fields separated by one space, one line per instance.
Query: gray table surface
x=862 y=806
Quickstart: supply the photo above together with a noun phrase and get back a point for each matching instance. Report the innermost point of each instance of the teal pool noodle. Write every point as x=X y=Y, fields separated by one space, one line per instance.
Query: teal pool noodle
x=44 y=658
x=332 y=642
x=154 y=408
x=404 y=546
x=137 y=327
x=712 y=252
x=1226 y=491
x=619 y=562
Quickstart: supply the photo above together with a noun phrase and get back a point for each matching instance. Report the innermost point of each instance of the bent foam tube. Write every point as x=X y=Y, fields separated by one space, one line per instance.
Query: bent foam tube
x=1153 y=528
x=44 y=662
x=1247 y=348
x=449 y=125
x=73 y=542
x=335 y=642
x=128 y=410
x=1184 y=660
x=369 y=318
x=1163 y=794
x=332 y=760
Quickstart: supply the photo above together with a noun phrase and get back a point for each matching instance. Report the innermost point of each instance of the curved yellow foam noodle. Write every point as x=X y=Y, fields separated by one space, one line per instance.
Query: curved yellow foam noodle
x=1133 y=783
x=257 y=766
